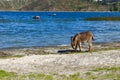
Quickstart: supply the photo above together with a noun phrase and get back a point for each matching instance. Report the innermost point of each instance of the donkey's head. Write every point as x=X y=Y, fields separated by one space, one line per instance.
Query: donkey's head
x=74 y=42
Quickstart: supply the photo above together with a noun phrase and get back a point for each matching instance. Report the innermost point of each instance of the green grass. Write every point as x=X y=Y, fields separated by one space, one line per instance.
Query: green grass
x=104 y=73
x=103 y=19
x=6 y=75
x=13 y=76
x=11 y=56
x=40 y=76
x=88 y=73
x=107 y=69
x=74 y=77
x=111 y=76
x=31 y=76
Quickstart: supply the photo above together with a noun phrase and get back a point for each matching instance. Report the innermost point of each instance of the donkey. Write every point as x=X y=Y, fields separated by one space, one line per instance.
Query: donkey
x=80 y=38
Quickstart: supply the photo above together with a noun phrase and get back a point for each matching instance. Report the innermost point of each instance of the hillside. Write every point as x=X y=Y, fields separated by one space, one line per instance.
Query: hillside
x=13 y=4
x=52 y=5
x=5 y=5
x=63 y=5
x=59 y=5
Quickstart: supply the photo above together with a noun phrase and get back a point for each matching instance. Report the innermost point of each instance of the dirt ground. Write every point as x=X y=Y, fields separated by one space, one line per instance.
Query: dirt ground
x=60 y=59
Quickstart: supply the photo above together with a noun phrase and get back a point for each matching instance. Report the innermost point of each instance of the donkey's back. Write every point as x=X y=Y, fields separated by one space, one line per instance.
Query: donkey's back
x=86 y=36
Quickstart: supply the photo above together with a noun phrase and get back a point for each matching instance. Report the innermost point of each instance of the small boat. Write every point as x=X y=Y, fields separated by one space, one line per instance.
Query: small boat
x=36 y=17
x=52 y=14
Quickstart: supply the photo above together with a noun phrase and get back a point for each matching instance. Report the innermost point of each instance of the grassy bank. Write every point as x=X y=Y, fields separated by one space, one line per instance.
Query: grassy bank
x=100 y=73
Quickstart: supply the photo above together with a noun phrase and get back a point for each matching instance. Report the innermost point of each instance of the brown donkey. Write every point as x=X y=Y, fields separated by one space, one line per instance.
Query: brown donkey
x=80 y=38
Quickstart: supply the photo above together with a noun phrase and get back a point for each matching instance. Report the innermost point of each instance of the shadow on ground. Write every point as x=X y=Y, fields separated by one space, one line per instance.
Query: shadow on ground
x=68 y=51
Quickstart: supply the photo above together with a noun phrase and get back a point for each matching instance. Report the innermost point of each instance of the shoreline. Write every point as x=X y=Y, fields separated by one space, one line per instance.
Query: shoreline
x=37 y=50
x=63 y=45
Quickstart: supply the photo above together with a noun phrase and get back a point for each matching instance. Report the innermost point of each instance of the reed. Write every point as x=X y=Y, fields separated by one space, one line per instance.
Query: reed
x=103 y=19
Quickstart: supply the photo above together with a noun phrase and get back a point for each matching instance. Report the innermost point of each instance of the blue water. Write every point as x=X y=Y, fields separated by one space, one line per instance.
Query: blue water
x=18 y=29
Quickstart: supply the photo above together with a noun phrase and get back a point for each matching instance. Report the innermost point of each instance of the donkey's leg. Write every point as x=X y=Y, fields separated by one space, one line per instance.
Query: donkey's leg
x=80 y=46
x=90 y=46
x=76 y=48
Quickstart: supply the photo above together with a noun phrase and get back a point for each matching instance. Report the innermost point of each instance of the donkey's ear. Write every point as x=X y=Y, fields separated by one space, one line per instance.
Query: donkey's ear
x=71 y=37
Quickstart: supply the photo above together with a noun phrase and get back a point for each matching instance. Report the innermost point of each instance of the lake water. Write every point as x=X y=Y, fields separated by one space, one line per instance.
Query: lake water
x=19 y=29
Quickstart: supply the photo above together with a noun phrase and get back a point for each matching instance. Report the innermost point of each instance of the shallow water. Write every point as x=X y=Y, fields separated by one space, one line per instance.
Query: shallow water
x=18 y=29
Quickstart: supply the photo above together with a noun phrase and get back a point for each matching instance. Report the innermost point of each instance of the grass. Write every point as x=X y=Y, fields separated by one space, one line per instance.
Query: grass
x=111 y=76
x=6 y=75
x=99 y=73
x=104 y=73
x=103 y=19
x=74 y=77
x=107 y=69
x=39 y=77
x=11 y=56
x=31 y=76
x=7 y=55
x=13 y=76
